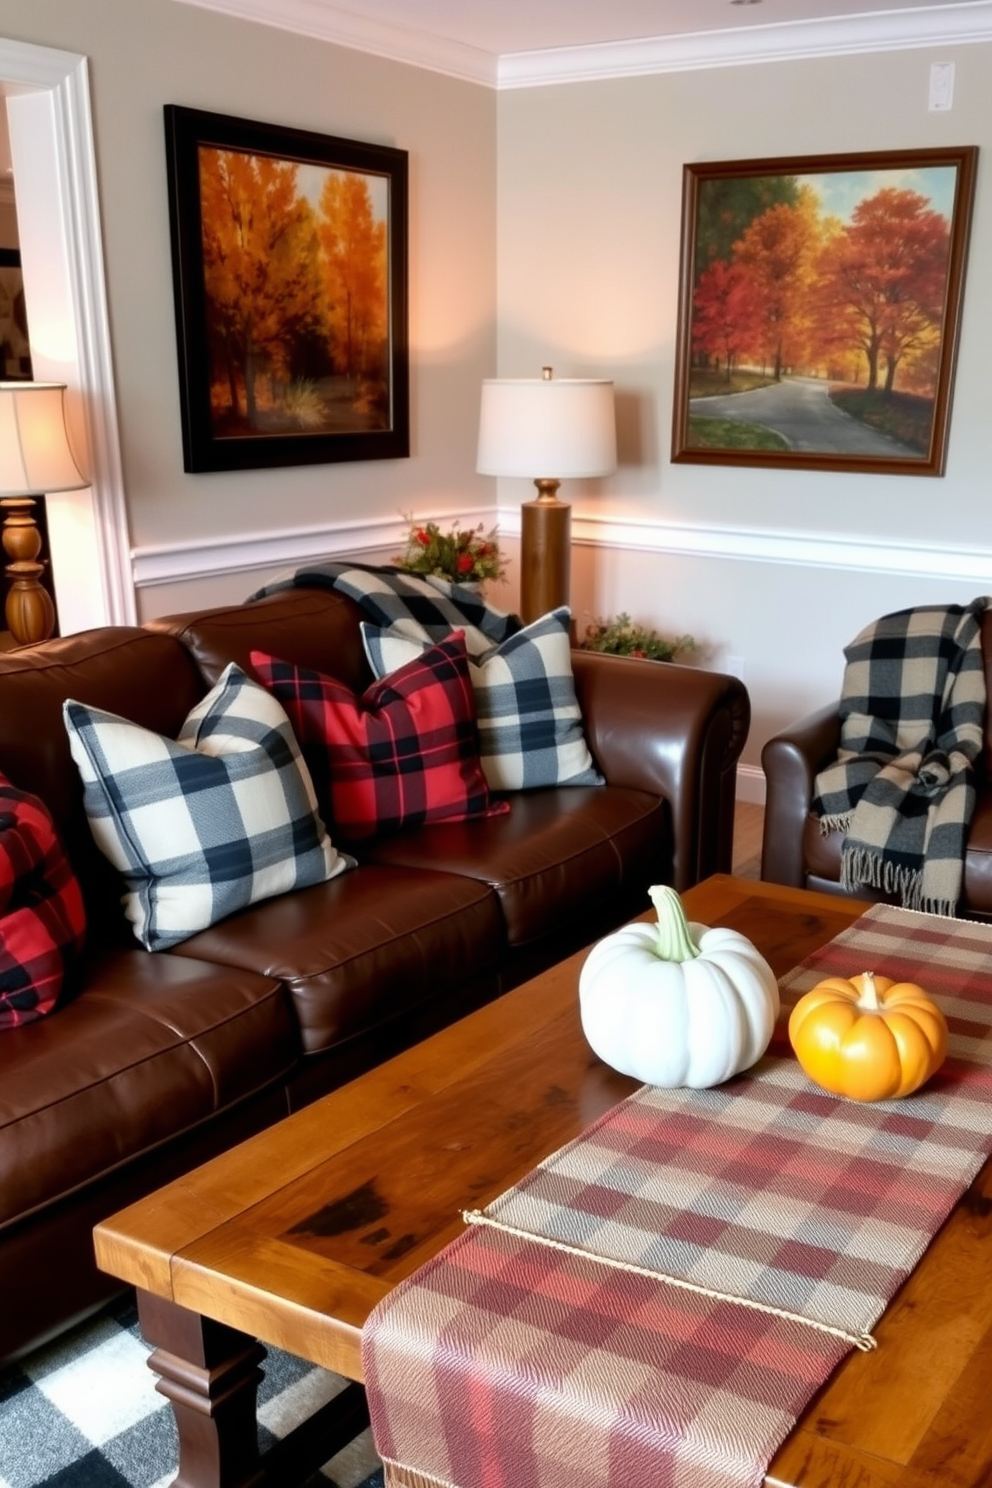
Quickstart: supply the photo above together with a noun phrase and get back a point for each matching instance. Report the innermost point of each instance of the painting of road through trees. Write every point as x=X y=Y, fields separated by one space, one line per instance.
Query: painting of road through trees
x=290 y=253
x=820 y=307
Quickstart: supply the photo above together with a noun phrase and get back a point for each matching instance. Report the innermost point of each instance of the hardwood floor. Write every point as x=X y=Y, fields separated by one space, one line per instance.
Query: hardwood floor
x=748 y=822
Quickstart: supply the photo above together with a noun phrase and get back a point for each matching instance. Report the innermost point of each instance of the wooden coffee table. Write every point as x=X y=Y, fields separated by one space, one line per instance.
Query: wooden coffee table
x=294 y=1236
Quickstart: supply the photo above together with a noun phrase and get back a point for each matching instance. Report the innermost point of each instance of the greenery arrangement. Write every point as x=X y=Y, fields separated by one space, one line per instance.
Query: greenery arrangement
x=463 y=555
x=621 y=636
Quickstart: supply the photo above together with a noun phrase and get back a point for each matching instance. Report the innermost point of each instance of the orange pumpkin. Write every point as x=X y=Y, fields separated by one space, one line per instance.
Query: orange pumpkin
x=868 y=1038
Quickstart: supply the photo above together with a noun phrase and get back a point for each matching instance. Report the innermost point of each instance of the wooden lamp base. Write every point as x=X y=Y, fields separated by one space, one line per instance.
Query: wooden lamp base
x=29 y=611
x=545 y=552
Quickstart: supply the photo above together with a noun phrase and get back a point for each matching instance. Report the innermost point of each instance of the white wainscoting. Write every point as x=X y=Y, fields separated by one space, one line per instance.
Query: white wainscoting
x=173 y=563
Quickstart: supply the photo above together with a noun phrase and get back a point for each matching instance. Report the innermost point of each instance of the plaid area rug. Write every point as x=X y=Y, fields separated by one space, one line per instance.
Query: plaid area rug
x=84 y=1413
x=659 y=1300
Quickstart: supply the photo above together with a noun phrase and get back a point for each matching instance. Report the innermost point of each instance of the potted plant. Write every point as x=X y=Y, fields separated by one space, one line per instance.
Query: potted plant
x=622 y=636
x=463 y=555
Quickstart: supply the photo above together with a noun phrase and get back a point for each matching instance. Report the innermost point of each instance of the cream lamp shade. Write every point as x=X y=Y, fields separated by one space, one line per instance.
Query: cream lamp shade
x=546 y=429
x=35 y=460
x=543 y=427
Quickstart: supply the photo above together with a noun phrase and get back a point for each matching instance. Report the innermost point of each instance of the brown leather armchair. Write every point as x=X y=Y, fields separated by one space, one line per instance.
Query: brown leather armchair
x=795 y=852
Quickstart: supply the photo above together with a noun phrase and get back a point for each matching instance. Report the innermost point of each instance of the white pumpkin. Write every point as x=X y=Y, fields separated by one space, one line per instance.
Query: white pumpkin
x=676 y=1003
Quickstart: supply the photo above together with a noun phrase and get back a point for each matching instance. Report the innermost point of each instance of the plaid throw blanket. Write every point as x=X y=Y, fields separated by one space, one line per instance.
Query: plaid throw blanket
x=902 y=786
x=417 y=605
x=658 y=1301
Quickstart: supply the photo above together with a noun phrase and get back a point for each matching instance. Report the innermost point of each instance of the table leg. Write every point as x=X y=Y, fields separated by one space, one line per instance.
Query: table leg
x=210 y=1374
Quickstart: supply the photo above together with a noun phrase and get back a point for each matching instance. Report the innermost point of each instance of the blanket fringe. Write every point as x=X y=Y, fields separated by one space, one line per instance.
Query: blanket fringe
x=862 y=868
x=835 y=823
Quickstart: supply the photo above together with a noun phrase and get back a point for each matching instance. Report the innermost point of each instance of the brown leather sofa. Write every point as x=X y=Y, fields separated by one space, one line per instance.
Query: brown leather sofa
x=795 y=852
x=157 y=1061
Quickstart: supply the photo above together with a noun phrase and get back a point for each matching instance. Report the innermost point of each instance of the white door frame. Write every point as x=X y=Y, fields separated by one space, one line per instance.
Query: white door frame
x=51 y=140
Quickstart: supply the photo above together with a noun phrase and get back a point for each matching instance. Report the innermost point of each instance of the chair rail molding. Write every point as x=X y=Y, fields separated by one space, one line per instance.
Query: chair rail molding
x=813 y=549
x=251 y=552
x=176 y=563
x=51 y=136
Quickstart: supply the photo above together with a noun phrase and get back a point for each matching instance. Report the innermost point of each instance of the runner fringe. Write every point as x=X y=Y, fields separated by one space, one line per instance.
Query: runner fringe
x=396 y=1475
x=863 y=1341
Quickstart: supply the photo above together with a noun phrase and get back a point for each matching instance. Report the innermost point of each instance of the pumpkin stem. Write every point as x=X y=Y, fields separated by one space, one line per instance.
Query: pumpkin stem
x=868 y=1000
x=674 y=942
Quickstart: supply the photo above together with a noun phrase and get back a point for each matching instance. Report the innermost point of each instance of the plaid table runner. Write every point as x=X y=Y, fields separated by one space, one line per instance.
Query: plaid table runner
x=657 y=1302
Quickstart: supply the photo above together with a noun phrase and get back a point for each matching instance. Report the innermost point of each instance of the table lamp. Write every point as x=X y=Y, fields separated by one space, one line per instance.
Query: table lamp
x=549 y=430
x=35 y=460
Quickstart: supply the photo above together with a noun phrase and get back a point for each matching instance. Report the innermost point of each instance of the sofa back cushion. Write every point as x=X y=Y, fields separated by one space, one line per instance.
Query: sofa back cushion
x=123 y=669
x=313 y=628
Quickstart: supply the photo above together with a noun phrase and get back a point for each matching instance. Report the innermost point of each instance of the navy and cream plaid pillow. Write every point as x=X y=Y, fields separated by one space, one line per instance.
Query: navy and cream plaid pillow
x=530 y=723
x=205 y=824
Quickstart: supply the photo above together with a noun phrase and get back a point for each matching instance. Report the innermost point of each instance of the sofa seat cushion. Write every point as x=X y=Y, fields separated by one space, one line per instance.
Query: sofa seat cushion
x=559 y=856
x=821 y=856
x=152 y=1047
x=364 y=948
x=978 y=858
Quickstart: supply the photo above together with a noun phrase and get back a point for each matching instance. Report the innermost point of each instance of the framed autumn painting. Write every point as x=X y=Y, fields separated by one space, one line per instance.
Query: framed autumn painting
x=820 y=304
x=289 y=253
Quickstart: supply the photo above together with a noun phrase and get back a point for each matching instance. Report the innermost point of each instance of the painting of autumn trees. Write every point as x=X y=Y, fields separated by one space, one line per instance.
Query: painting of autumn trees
x=820 y=310
x=289 y=259
x=296 y=296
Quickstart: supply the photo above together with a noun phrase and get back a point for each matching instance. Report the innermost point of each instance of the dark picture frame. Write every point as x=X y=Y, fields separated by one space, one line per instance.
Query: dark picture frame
x=15 y=348
x=819 y=310
x=289 y=256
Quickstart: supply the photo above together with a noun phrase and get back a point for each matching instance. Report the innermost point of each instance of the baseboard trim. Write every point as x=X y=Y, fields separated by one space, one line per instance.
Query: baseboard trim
x=751 y=784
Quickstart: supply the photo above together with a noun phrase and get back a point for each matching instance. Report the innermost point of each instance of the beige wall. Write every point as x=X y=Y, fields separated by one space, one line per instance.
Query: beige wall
x=575 y=191
x=590 y=180
x=145 y=53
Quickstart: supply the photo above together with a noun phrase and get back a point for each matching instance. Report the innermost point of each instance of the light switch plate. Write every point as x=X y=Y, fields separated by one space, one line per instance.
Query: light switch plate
x=941 y=86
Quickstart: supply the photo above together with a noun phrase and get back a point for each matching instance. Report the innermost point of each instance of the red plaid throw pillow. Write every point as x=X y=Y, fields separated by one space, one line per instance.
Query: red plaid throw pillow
x=405 y=753
x=42 y=921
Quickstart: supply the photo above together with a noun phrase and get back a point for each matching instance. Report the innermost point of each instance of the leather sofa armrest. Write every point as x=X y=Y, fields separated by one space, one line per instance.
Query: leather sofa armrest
x=791 y=760
x=677 y=732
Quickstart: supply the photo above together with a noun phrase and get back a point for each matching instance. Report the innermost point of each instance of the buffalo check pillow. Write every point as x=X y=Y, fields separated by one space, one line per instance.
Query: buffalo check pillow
x=205 y=824
x=530 y=723
x=403 y=754
x=42 y=920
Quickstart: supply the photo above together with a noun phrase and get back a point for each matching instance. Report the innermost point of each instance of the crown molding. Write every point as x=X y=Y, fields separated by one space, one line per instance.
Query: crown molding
x=361 y=33
x=896 y=30
x=877 y=31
